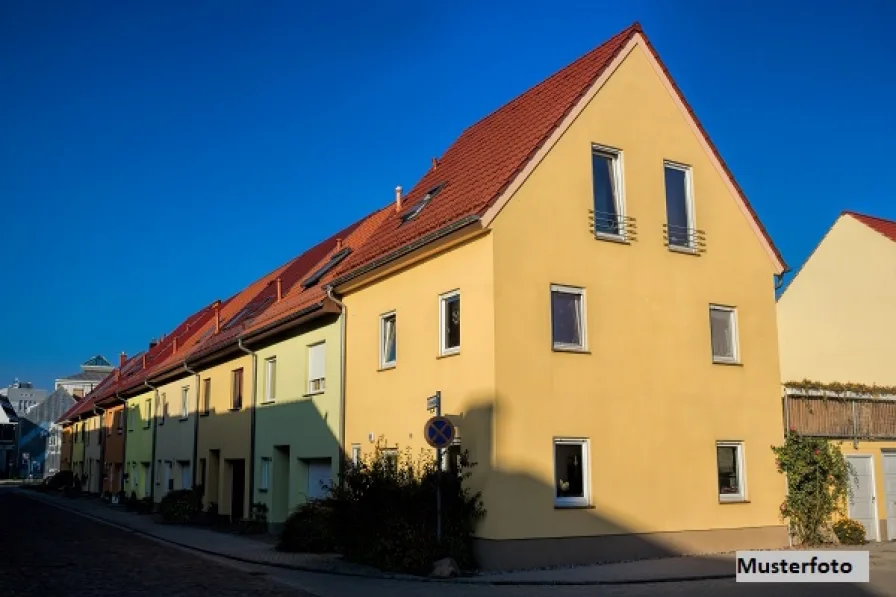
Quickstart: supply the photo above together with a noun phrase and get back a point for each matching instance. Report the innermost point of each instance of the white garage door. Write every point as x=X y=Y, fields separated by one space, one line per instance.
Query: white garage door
x=890 y=493
x=862 y=502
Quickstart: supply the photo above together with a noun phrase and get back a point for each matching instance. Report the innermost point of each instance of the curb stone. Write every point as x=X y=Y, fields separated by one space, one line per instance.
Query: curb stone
x=385 y=576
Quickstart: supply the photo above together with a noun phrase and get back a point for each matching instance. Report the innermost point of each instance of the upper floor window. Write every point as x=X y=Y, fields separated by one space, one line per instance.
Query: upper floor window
x=568 y=317
x=317 y=368
x=236 y=389
x=270 y=379
x=184 y=402
x=206 y=395
x=449 y=323
x=387 y=340
x=606 y=174
x=723 y=334
x=680 y=206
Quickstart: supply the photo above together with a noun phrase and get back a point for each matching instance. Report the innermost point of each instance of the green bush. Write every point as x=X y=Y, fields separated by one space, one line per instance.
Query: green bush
x=849 y=532
x=180 y=506
x=817 y=485
x=61 y=480
x=384 y=515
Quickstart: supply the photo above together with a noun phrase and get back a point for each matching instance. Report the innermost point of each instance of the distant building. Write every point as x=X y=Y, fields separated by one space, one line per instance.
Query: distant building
x=22 y=396
x=93 y=371
x=40 y=438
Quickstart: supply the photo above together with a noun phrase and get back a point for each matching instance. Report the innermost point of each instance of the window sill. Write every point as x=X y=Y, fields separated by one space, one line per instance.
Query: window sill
x=570 y=349
x=613 y=238
x=262 y=490
x=573 y=507
x=310 y=394
x=265 y=403
x=205 y=414
x=729 y=363
x=386 y=367
x=450 y=353
x=733 y=500
x=684 y=250
x=234 y=409
x=187 y=418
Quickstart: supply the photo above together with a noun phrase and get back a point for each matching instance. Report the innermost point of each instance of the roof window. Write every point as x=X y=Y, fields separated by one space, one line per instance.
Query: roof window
x=333 y=262
x=415 y=210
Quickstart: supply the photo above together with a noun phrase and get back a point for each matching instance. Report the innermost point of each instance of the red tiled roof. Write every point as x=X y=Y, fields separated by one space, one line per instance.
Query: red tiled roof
x=487 y=156
x=879 y=225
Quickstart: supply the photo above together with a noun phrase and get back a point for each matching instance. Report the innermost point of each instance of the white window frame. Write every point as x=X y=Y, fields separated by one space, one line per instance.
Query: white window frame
x=384 y=364
x=185 y=402
x=265 y=472
x=573 y=502
x=317 y=385
x=618 y=189
x=443 y=300
x=741 y=465
x=270 y=379
x=583 y=323
x=356 y=454
x=689 y=202
x=735 y=336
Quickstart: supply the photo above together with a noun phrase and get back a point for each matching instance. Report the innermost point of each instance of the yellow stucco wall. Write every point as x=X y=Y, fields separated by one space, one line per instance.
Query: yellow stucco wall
x=296 y=426
x=392 y=403
x=648 y=396
x=138 y=444
x=225 y=430
x=174 y=439
x=845 y=286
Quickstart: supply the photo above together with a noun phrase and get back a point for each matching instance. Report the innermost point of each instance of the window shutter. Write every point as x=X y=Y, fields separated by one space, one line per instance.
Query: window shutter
x=317 y=361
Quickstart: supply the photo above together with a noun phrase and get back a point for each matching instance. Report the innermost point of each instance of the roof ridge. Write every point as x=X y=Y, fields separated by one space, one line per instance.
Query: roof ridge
x=856 y=214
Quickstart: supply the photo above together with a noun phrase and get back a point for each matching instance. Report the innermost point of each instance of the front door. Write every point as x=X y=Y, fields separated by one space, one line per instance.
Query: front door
x=238 y=489
x=890 y=493
x=320 y=475
x=862 y=503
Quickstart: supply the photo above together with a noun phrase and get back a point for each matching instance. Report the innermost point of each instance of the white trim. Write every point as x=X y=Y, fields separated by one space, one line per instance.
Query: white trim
x=356 y=454
x=443 y=299
x=741 y=464
x=322 y=381
x=573 y=502
x=384 y=364
x=616 y=157
x=583 y=318
x=689 y=204
x=870 y=457
x=637 y=40
x=185 y=402
x=735 y=336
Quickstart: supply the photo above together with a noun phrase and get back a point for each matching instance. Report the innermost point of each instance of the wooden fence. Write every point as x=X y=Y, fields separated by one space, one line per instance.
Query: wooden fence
x=843 y=418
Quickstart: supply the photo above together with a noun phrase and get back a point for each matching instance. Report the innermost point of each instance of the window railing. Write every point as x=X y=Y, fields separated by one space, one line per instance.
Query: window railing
x=684 y=238
x=605 y=224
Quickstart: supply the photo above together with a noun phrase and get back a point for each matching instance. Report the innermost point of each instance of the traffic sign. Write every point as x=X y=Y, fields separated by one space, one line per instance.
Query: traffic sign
x=434 y=402
x=438 y=432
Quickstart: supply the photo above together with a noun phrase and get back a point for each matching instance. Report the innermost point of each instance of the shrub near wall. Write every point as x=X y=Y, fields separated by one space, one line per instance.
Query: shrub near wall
x=384 y=515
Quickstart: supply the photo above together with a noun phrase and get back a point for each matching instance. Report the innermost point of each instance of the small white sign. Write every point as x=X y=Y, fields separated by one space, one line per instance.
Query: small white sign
x=802 y=566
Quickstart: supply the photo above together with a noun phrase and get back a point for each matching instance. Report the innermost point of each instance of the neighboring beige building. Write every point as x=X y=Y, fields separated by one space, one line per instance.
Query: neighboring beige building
x=93 y=371
x=836 y=326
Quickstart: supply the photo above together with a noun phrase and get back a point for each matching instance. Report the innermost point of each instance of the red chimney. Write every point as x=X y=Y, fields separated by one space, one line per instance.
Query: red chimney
x=117 y=374
x=279 y=289
x=175 y=345
x=217 y=316
x=122 y=359
x=144 y=360
x=338 y=244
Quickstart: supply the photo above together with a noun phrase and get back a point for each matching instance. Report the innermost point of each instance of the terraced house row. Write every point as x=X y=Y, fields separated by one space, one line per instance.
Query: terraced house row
x=581 y=278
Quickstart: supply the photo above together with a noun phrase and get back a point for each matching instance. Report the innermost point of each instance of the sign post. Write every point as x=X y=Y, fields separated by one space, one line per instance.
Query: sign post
x=439 y=433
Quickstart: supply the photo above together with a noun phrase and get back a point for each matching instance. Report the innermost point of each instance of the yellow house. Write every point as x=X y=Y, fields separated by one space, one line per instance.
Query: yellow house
x=586 y=285
x=836 y=343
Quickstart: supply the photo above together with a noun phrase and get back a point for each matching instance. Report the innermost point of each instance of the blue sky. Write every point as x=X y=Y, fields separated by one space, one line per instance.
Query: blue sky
x=156 y=156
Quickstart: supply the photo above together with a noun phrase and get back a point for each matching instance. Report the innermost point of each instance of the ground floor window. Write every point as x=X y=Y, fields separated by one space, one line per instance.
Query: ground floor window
x=571 y=472
x=186 y=474
x=730 y=469
x=265 y=483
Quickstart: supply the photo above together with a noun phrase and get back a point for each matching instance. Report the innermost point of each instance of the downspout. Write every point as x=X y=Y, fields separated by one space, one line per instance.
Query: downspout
x=251 y=424
x=152 y=462
x=195 y=422
x=342 y=326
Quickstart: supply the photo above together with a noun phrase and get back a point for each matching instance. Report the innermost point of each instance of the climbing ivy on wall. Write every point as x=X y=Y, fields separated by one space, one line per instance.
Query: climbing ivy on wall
x=841 y=388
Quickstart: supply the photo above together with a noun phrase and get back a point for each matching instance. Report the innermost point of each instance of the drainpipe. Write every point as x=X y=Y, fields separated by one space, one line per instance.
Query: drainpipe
x=251 y=424
x=342 y=325
x=195 y=421
x=152 y=462
x=124 y=440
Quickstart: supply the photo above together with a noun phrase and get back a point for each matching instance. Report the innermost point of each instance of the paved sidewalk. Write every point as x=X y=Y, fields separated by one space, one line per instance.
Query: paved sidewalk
x=244 y=549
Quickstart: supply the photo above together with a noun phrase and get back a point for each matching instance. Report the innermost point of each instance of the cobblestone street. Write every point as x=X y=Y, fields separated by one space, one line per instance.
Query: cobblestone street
x=48 y=551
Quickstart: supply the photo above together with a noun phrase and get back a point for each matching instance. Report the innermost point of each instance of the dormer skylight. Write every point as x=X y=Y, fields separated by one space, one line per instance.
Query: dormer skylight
x=322 y=270
x=415 y=210
x=247 y=311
